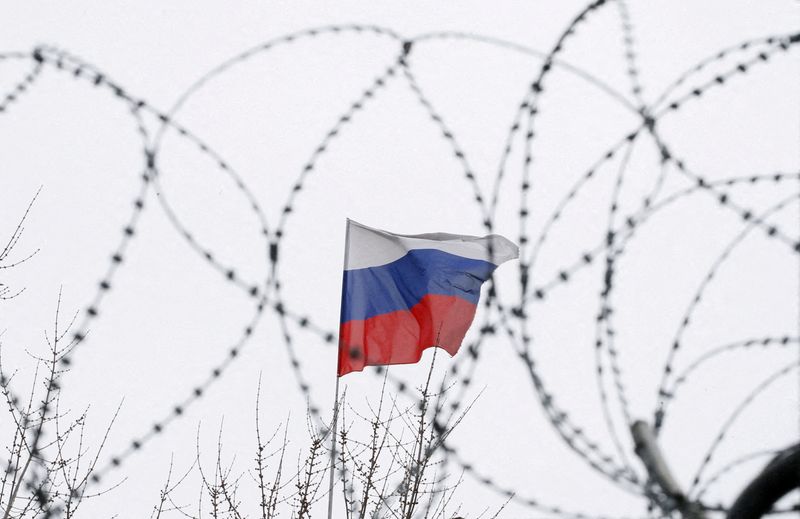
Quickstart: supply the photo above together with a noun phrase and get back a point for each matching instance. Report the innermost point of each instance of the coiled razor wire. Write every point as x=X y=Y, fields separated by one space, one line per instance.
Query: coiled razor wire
x=513 y=321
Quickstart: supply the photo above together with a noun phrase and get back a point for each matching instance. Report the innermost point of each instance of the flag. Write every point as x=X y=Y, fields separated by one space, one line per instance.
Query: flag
x=404 y=293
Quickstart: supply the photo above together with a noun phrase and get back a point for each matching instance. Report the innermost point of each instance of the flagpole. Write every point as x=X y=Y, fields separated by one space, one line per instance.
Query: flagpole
x=333 y=448
x=336 y=398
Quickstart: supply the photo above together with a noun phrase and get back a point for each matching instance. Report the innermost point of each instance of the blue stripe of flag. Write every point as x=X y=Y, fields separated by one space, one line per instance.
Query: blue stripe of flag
x=401 y=284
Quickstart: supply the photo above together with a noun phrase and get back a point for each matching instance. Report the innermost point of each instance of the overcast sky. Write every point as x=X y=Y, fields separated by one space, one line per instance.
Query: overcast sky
x=171 y=316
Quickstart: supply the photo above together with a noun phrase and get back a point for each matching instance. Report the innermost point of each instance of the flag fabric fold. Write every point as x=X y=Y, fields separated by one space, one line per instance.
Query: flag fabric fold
x=402 y=294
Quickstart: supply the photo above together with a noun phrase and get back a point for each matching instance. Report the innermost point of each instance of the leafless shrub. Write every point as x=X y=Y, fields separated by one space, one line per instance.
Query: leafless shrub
x=391 y=472
x=396 y=470
x=46 y=476
x=5 y=262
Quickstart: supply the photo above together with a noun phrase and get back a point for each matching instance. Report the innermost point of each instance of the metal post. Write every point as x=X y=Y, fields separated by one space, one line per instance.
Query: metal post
x=646 y=447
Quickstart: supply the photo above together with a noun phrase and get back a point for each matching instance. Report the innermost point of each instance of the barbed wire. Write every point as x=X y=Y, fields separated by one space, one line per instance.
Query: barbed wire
x=500 y=318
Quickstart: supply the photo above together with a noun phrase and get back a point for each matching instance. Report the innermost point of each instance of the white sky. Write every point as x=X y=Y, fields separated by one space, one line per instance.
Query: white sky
x=170 y=317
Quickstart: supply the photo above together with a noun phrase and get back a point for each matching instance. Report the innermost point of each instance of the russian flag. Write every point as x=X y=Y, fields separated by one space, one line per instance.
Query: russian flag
x=404 y=293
